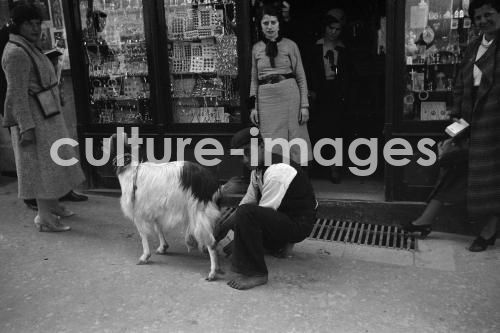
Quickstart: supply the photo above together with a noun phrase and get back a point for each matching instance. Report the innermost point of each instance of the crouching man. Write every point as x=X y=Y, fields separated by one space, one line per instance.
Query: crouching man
x=278 y=210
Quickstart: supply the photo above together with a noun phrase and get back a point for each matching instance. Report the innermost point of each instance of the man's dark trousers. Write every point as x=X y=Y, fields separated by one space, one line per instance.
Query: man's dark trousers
x=258 y=228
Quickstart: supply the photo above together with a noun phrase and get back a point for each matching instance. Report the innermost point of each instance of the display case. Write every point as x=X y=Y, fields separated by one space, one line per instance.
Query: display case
x=114 y=44
x=203 y=61
x=127 y=79
x=173 y=68
x=436 y=33
x=428 y=39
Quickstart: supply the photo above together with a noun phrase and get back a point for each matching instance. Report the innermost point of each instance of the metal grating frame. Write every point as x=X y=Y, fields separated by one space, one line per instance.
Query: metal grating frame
x=384 y=236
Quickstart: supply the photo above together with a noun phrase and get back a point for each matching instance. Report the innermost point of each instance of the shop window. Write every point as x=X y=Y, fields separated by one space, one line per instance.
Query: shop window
x=203 y=61
x=115 y=46
x=436 y=34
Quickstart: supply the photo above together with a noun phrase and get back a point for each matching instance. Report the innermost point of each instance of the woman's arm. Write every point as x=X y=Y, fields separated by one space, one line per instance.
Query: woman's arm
x=254 y=79
x=17 y=65
x=300 y=75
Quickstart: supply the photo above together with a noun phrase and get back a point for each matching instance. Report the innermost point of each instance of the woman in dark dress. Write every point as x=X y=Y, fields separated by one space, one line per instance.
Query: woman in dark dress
x=329 y=79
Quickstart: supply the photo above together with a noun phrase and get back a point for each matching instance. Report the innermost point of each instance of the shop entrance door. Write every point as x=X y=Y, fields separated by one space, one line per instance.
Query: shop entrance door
x=363 y=115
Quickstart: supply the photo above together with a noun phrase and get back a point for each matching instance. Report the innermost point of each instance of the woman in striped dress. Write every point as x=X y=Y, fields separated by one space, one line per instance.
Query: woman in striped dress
x=476 y=99
x=278 y=91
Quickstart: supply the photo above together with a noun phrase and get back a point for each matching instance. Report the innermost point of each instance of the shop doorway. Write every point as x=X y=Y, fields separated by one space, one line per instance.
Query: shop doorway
x=364 y=116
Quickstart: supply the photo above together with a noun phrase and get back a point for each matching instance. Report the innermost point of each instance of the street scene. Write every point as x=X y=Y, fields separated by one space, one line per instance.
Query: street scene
x=87 y=280
x=249 y=166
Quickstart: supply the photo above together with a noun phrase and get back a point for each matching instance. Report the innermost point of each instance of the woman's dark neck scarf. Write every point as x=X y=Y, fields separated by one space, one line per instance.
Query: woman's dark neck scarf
x=272 y=49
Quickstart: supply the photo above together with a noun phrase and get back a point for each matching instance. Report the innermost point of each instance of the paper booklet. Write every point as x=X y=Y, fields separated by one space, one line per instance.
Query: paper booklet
x=457 y=129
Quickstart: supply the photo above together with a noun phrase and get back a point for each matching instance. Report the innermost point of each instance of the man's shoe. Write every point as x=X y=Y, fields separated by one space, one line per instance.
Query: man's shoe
x=31 y=204
x=73 y=196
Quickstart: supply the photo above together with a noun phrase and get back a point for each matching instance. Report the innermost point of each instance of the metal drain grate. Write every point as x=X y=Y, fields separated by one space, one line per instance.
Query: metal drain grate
x=376 y=235
x=367 y=234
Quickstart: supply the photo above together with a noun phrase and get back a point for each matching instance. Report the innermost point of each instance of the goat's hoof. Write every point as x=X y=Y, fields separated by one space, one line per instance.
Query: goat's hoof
x=211 y=276
x=162 y=249
x=143 y=260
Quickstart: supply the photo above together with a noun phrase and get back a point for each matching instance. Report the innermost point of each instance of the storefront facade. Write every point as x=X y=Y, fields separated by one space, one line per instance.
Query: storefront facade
x=180 y=69
x=172 y=69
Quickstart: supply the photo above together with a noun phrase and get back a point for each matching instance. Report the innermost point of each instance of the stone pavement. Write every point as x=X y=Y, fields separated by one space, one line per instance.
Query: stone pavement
x=87 y=280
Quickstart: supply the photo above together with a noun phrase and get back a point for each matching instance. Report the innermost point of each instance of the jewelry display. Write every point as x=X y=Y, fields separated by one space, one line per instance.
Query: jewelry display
x=203 y=60
x=115 y=46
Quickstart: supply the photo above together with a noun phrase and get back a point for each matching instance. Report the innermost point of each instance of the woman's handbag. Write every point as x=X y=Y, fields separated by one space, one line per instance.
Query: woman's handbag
x=47 y=99
x=452 y=151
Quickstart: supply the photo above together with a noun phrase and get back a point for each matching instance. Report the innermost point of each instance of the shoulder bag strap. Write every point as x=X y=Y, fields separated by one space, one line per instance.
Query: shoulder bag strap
x=37 y=70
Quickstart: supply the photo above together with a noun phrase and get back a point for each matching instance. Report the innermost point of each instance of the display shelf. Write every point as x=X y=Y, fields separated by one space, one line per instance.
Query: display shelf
x=435 y=35
x=432 y=64
x=195 y=39
x=118 y=75
x=196 y=73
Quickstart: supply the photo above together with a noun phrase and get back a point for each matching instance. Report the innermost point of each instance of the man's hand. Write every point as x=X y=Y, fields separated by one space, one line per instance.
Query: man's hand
x=303 y=116
x=254 y=117
x=27 y=138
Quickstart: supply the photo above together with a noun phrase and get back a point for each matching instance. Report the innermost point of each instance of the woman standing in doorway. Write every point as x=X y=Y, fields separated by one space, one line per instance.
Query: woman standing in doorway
x=28 y=72
x=278 y=90
x=329 y=70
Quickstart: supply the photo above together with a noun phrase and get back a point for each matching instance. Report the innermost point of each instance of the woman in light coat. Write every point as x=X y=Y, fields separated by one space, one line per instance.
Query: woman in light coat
x=33 y=132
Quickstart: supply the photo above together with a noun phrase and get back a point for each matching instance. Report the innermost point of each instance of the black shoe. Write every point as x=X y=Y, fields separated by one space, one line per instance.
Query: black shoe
x=73 y=196
x=424 y=229
x=31 y=204
x=480 y=244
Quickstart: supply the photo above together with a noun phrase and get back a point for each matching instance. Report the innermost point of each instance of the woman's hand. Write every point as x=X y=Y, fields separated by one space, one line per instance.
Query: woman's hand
x=254 y=117
x=27 y=138
x=303 y=116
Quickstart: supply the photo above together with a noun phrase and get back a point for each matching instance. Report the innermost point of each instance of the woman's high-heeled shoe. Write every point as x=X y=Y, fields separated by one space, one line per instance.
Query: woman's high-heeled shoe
x=45 y=226
x=63 y=212
x=424 y=229
x=480 y=244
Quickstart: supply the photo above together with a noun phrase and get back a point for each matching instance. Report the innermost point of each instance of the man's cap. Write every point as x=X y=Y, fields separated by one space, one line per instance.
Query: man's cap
x=243 y=137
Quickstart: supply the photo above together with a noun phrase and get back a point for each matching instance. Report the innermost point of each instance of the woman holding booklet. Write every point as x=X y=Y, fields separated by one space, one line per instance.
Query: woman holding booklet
x=476 y=100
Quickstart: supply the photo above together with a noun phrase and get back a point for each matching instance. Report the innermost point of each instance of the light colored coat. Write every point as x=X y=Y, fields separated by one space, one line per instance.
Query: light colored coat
x=38 y=175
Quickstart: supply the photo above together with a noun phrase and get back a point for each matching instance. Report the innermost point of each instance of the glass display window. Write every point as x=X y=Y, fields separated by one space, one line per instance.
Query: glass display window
x=115 y=47
x=436 y=34
x=203 y=61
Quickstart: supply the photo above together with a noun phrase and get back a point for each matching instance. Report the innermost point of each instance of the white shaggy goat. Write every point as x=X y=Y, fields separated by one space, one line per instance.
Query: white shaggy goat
x=158 y=197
